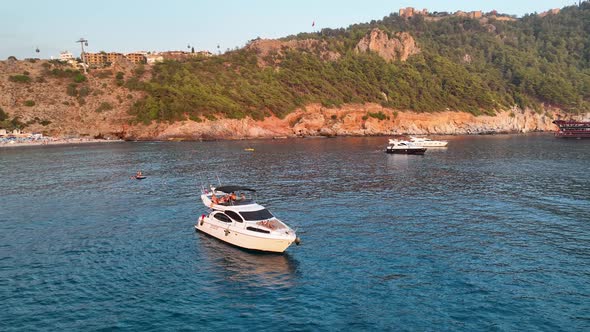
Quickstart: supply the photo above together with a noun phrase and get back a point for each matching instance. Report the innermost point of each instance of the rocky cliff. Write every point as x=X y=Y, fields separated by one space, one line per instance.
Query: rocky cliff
x=270 y=51
x=399 y=47
x=355 y=120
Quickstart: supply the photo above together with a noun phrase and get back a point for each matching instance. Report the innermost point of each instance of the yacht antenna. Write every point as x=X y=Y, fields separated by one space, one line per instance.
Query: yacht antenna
x=218 y=182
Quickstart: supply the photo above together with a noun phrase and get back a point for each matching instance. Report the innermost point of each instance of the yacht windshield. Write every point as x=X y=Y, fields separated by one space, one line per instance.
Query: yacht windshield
x=256 y=215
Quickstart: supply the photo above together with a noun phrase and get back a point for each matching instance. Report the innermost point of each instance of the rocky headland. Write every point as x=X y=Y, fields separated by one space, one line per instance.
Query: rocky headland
x=350 y=120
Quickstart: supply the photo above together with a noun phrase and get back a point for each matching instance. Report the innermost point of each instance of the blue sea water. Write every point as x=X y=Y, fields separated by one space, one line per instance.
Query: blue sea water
x=491 y=233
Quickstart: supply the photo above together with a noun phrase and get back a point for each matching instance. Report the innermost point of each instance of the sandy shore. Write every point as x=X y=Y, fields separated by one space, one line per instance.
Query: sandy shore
x=55 y=141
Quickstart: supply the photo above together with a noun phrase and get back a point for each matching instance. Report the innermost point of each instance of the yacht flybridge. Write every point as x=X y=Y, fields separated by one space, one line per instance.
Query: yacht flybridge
x=234 y=217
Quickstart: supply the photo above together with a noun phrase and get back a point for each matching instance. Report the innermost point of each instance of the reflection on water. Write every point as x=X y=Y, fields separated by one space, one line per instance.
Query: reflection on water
x=248 y=267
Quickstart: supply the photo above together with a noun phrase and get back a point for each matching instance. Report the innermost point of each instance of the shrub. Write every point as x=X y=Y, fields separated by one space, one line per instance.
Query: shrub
x=79 y=78
x=104 y=106
x=72 y=90
x=29 y=103
x=139 y=71
x=3 y=115
x=26 y=73
x=44 y=122
x=64 y=73
x=84 y=91
x=195 y=118
x=20 y=79
x=104 y=73
x=379 y=115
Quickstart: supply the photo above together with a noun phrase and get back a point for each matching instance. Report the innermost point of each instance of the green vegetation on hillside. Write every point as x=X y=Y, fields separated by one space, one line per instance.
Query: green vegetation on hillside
x=464 y=65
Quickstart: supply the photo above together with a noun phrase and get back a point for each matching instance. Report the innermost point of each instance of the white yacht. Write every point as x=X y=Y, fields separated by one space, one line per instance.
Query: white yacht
x=404 y=147
x=427 y=142
x=237 y=219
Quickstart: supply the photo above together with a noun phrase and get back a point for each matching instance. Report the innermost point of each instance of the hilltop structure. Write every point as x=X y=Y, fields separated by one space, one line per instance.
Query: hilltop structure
x=104 y=59
x=410 y=12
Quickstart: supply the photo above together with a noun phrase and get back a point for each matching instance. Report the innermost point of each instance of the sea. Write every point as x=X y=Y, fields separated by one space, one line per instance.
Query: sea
x=491 y=233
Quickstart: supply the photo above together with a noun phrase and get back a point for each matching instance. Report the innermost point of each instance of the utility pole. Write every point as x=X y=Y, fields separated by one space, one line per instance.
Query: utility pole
x=83 y=42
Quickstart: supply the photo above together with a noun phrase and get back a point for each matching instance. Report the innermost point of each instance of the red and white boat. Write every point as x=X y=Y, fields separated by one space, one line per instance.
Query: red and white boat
x=572 y=129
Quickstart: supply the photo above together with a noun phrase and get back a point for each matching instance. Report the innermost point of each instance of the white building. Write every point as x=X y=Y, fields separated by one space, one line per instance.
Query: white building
x=66 y=56
x=153 y=58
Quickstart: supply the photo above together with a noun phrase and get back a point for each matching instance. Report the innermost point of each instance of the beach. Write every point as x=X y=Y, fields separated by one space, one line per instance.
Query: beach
x=19 y=142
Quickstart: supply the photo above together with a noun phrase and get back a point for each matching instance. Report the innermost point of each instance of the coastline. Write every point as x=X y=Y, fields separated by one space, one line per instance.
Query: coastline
x=75 y=141
x=56 y=141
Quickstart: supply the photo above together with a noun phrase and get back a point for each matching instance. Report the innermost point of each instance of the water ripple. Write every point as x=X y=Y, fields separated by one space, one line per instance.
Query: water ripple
x=488 y=234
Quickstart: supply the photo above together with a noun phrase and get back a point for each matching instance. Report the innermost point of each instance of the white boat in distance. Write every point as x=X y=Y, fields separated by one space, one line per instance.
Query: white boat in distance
x=404 y=147
x=427 y=142
x=238 y=220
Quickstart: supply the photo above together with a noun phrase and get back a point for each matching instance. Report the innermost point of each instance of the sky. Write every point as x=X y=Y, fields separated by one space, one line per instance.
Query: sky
x=132 y=25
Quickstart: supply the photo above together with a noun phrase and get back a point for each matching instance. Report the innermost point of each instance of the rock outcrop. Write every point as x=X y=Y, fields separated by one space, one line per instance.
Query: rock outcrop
x=353 y=120
x=270 y=51
x=400 y=47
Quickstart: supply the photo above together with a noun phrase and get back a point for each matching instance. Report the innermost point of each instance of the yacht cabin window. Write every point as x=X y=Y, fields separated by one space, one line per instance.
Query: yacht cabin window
x=222 y=217
x=234 y=216
x=256 y=215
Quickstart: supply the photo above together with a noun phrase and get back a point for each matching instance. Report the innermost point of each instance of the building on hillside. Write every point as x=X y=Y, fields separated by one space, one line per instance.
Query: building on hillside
x=3 y=132
x=204 y=53
x=66 y=56
x=103 y=59
x=137 y=58
x=153 y=58
x=113 y=57
x=406 y=12
x=474 y=14
x=96 y=59
x=410 y=11
x=175 y=55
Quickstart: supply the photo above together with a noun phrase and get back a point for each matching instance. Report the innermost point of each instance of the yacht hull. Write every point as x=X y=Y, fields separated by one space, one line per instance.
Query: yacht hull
x=241 y=238
x=437 y=144
x=418 y=151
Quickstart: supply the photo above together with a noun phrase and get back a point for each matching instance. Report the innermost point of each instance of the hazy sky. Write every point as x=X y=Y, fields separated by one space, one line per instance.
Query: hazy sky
x=132 y=25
